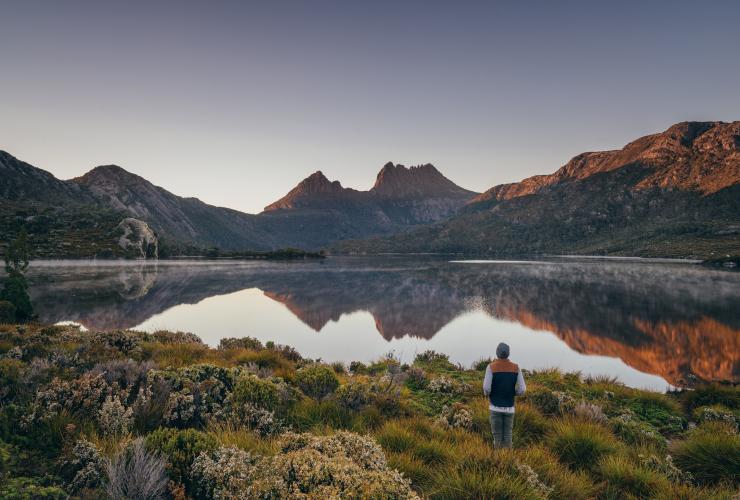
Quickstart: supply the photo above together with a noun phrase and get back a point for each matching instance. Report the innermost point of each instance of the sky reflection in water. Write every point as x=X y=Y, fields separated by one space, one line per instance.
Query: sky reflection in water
x=650 y=324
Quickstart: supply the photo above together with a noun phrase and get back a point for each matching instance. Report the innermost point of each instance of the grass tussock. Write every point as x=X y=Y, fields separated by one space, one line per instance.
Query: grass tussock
x=581 y=445
x=711 y=453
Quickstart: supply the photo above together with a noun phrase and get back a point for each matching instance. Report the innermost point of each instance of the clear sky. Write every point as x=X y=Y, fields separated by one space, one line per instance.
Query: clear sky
x=235 y=101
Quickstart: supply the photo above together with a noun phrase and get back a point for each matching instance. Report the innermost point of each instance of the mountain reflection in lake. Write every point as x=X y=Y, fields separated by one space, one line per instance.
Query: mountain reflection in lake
x=650 y=324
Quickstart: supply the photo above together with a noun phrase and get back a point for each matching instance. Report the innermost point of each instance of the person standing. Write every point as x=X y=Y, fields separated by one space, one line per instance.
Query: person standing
x=502 y=383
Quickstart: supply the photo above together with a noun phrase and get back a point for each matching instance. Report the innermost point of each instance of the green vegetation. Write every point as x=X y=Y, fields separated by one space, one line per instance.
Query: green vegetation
x=90 y=414
x=15 y=302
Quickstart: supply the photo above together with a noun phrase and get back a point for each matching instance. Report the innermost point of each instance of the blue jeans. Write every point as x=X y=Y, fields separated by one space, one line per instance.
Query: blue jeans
x=502 y=425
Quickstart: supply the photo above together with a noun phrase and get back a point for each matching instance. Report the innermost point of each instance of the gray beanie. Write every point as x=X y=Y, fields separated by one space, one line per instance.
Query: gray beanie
x=502 y=351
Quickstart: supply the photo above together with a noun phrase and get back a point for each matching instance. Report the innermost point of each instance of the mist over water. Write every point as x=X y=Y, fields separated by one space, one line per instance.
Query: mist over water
x=651 y=324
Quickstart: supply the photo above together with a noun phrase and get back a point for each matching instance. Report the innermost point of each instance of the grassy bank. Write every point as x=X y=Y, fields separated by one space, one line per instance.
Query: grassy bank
x=137 y=415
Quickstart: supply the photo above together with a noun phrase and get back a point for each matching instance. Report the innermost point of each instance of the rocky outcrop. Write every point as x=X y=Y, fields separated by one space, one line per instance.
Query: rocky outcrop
x=138 y=239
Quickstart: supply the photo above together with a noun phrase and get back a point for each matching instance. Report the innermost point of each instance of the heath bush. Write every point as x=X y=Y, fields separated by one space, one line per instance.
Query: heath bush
x=456 y=416
x=317 y=380
x=343 y=465
x=633 y=431
x=717 y=413
x=551 y=403
x=258 y=392
x=354 y=395
x=85 y=468
x=179 y=448
x=240 y=343
x=712 y=394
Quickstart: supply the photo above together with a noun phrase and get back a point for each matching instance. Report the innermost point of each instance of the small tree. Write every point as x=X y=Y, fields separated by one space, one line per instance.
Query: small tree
x=15 y=289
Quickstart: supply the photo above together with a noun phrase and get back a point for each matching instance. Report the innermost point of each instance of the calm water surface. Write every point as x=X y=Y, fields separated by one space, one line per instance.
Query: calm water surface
x=651 y=324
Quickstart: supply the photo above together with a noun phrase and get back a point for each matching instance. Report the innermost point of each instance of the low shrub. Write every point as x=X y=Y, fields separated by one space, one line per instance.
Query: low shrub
x=416 y=378
x=433 y=359
x=25 y=488
x=338 y=368
x=85 y=468
x=343 y=465
x=255 y=391
x=179 y=448
x=481 y=364
x=317 y=380
x=581 y=445
x=711 y=453
x=717 y=413
x=551 y=403
x=658 y=410
x=456 y=416
x=357 y=367
x=711 y=394
x=446 y=385
x=240 y=343
x=353 y=395
x=636 y=432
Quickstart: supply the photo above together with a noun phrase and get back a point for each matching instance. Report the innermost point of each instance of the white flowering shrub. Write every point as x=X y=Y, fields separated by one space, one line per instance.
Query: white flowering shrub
x=114 y=418
x=262 y=421
x=446 y=385
x=717 y=414
x=456 y=416
x=344 y=465
x=180 y=410
x=83 y=396
x=224 y=472
x=552 y=402
x=533 y=480
x=353 y=395
x=634 y=431
x=86 y=466
x=123 y=341
x=666 y=467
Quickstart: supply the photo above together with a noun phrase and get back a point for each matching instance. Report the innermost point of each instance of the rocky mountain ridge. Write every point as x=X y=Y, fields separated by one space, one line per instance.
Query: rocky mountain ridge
x=317 y=212
x=672 y=194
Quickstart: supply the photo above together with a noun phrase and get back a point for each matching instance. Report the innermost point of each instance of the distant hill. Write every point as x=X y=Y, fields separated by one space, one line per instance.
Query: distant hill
x=313 y=215
x=676 y=193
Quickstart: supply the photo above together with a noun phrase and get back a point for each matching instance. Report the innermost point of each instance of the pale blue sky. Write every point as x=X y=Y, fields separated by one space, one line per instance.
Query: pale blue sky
x=235 y=102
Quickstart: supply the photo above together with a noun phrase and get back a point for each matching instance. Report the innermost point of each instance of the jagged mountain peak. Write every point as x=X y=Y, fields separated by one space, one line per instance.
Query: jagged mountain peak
x=422 y=180
x=316 y=188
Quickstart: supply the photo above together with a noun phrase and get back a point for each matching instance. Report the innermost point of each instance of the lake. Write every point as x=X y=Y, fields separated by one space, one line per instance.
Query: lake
x=652 y=324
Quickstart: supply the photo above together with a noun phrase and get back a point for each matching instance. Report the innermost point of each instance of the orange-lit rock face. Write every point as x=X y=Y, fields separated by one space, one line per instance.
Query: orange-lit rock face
x=700 y=156
x=667 y=320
